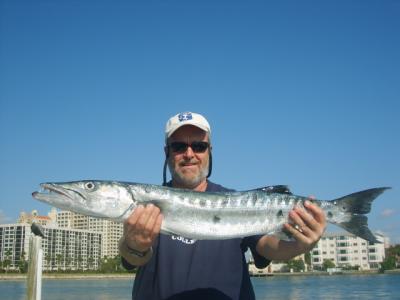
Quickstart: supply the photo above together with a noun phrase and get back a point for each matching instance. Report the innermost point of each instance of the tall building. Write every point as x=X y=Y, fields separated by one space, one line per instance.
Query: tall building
x=346 y=249
x=14 y=244
x=111 y=231
x=63 y=248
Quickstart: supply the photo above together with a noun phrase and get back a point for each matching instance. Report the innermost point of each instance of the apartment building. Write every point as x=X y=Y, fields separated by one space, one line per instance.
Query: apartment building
x=14 y=244
x=346 y=249
x=111 y=231
x=63 y=248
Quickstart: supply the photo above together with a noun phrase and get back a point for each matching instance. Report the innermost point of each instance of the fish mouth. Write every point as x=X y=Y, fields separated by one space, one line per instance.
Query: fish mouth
x=51 y=191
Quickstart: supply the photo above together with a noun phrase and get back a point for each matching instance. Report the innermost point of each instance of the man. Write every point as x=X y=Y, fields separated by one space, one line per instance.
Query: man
x=173 y=267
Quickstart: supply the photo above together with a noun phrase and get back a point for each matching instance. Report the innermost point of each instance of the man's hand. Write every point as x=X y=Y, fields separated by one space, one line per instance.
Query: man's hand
x=308 y=226
x=142 y=227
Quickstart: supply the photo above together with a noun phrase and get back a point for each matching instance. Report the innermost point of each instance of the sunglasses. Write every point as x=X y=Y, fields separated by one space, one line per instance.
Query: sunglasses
x=181 y=147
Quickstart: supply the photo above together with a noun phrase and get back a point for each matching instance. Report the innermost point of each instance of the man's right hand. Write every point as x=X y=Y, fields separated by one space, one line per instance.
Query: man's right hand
x=142 y=227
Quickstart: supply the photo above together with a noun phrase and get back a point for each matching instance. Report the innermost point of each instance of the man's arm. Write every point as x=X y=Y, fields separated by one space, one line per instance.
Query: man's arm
x=140 y=231
x=308 y=227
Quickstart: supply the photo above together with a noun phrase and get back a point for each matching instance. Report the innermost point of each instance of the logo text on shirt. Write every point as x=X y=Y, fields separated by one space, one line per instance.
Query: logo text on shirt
x=183 y=239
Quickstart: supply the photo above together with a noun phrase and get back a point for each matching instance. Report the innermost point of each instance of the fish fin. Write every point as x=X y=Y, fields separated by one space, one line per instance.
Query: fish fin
x=357 y=205
x=271 y=189
x=358 y=225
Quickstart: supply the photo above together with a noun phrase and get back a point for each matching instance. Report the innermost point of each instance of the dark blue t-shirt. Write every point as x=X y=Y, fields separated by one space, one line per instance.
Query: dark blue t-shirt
x=181 y=268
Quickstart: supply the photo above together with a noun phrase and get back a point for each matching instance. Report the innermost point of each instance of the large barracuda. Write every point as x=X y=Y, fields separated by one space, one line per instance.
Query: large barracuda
x=206 y=215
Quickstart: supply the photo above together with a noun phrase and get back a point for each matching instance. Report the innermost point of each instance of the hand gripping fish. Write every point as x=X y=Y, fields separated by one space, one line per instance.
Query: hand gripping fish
x=207 y=215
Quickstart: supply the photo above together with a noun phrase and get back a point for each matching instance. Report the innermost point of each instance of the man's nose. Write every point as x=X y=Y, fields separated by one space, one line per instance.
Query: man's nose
x=189 y=152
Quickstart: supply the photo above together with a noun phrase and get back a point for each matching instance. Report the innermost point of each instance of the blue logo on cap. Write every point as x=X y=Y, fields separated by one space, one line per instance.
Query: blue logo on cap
x=185 y=116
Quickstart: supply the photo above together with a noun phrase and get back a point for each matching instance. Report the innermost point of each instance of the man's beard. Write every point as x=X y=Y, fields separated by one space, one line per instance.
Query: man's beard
x=183 y=180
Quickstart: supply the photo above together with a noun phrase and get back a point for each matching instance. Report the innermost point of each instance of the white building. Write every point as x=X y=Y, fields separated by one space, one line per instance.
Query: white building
x=348 y=250
x=111 y=231
x=14 y=245
x=63 y=248
x=273 y=267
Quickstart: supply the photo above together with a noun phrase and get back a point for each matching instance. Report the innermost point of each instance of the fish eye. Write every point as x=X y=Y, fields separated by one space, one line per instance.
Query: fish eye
x=89 y=185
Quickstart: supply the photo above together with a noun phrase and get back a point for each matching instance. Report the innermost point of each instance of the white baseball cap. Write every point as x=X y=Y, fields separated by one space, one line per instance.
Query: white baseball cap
x=186 y=118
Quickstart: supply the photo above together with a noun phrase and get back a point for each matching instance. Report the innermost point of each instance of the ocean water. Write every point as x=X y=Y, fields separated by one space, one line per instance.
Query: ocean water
x=382 y=286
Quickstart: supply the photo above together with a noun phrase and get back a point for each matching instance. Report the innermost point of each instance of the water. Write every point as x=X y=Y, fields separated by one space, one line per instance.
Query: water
x=335 y=287
x=328 y=287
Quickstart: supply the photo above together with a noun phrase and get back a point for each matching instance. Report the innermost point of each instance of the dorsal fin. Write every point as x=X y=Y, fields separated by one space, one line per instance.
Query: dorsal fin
x=279 y=189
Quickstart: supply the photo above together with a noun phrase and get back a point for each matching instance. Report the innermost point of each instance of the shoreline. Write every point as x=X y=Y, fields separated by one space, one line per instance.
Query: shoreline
x=4 y=277
x=321 y=273
x=63 y=276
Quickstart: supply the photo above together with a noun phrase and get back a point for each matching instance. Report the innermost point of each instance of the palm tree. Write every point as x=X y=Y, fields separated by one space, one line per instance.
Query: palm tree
x=7 y=262
x=79 y=262
x=59 y=259
x=22 y=264
x=90 y=262
x=68 y=260
x=48 y=261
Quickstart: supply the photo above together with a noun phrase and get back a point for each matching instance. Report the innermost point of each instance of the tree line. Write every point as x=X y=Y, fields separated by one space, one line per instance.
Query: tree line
x=64 y=265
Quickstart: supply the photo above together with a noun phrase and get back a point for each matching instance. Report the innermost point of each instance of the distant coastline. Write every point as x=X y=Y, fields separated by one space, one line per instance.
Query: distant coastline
x=62 y=276
x=320 y=273
x=71 y=276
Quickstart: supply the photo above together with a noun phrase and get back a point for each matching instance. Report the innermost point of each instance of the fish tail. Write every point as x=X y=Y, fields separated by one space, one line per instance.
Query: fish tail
x=355 y=206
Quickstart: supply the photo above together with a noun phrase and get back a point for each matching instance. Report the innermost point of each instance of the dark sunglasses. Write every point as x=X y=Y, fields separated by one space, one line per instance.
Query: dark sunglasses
x=181 y=147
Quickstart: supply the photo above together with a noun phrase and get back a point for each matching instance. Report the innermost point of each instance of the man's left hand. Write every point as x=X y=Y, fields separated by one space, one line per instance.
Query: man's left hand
x=308 y=225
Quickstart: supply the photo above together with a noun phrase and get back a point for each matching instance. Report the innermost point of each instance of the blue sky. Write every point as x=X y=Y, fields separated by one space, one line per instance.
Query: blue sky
x=303 y=93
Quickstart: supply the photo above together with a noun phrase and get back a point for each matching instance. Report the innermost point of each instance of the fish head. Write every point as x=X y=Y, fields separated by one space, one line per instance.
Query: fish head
x=104 y=199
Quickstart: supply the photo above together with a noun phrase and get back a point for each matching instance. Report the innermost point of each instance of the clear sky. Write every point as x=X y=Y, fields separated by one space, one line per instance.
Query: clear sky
x=303 y=93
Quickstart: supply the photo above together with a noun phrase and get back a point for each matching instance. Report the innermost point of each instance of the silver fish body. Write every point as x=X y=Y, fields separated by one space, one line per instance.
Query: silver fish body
x=206 y=215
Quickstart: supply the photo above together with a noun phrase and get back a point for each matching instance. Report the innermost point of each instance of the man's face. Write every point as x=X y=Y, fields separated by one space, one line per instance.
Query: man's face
x=188 y=168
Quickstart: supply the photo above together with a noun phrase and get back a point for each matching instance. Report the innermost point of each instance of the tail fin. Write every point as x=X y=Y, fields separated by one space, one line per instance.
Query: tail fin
x=357 y=205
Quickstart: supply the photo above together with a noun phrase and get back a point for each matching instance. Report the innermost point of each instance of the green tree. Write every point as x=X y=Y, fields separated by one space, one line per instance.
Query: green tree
x=393 y=250
x=296 y=264
x=111 y=264
x=90 y=262
x=48 y=261
x=22 y=264
x=79 y=261
x=59 y=260
x=389 y=263
x=328 y=264
x=307 y=258
x=68 y=261
x=7 y=262
x=392 y=258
